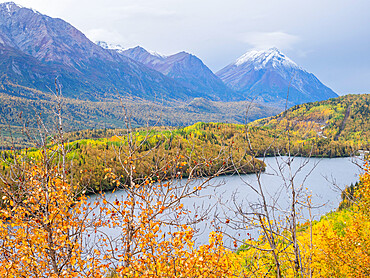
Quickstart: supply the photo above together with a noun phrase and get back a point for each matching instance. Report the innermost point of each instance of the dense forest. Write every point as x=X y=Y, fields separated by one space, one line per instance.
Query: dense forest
x=51 y=227
x=193 y=146
x=339 y=126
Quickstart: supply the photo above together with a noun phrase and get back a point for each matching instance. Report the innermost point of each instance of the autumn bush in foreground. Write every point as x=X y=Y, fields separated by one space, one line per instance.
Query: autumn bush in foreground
x=44 y=221
x=41 y=235
x=41 y=227
x=177 y=257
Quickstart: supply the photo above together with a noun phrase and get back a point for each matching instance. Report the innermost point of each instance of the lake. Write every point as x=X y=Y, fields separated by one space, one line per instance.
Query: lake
x=323 y=178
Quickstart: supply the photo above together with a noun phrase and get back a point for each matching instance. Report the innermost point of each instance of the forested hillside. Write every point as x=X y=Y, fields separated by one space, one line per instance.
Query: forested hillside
x=333 y=128
x=20 y=105
x=188 y=148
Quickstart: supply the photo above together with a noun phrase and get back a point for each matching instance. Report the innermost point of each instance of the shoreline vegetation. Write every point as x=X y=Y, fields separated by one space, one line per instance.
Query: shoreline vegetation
x=45 y=217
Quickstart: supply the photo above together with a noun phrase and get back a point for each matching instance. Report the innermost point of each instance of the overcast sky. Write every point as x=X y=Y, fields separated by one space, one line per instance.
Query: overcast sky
x=330 y=38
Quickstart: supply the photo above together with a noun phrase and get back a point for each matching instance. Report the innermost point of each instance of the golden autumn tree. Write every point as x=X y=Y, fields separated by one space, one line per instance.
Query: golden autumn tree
x=41 y=227
x=341 y=241
x=42 y=213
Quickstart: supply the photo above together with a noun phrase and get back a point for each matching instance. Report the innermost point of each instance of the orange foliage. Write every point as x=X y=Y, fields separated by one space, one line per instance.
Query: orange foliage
x=41 y=228
x=342 y=242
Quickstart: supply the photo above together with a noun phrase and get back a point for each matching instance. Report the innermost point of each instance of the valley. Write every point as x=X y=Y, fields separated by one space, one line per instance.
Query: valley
x=118 y=161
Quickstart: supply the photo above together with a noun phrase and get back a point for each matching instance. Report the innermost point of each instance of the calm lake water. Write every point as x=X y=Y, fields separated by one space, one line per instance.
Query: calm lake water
x=321 y=178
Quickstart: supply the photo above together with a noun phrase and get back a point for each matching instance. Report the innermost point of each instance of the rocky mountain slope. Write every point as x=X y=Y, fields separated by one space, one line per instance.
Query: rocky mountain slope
x=185 y=68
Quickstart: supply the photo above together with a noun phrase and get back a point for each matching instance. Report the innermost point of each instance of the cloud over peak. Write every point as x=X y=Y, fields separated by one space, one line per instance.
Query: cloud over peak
x=266 y=40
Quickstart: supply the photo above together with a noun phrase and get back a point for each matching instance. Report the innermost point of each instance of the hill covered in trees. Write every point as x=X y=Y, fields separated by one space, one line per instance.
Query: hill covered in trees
x=332 y=128
x=335 y=127
x=189 y=151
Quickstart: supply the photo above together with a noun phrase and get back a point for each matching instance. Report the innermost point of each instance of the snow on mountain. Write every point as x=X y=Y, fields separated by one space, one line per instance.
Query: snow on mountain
x=262 y=59
x=110 y=46
x=141 y=55
x=267 y=76
x=11 y=7
x=155 y=53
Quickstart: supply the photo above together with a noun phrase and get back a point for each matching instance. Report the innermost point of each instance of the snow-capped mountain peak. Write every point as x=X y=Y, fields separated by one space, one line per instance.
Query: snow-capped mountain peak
x=265 y=58
x=137 y=50
x=268 y=75
x=110 y=46
x=9 y=7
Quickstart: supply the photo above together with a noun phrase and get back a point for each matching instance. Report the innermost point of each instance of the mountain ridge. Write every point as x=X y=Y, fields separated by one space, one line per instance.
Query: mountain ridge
x=185 y=68
x=270 y=75
x=35 y=49
x=52 y=47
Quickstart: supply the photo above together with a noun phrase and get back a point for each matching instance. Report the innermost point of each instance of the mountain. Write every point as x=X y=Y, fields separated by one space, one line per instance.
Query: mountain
x=35 y=49
x=186 y=69
x=268 y=75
